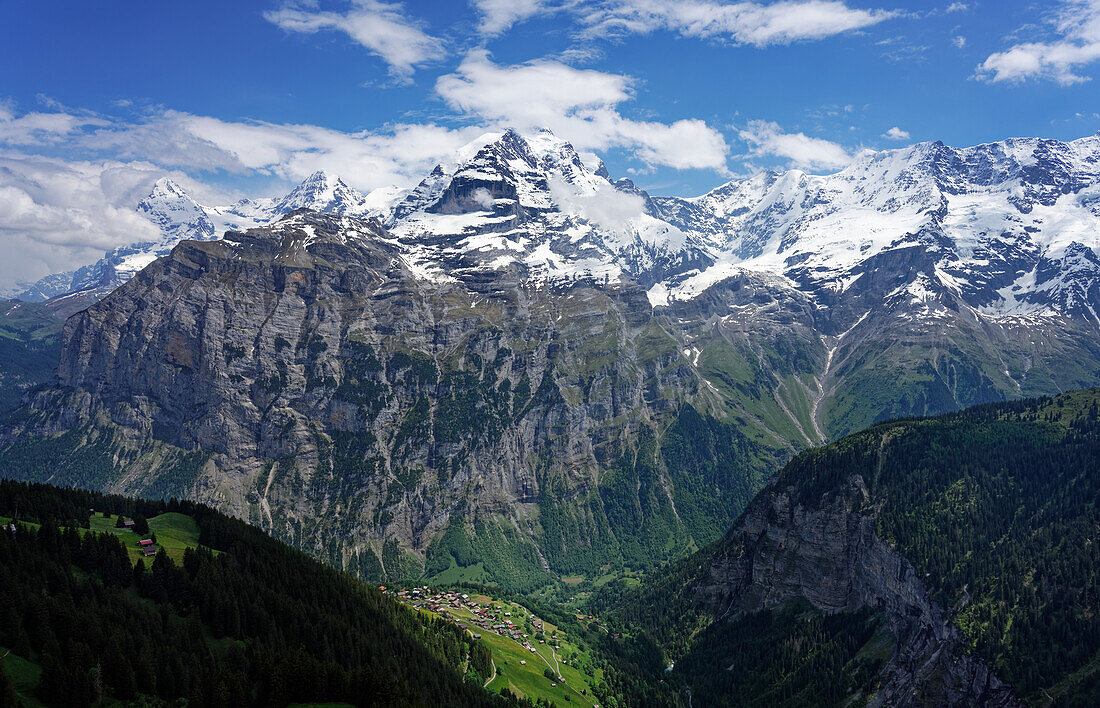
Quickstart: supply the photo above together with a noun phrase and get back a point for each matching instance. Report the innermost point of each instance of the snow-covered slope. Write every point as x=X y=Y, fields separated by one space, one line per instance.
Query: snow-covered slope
x=530 y=203
x=990 y=216
x=992 y=223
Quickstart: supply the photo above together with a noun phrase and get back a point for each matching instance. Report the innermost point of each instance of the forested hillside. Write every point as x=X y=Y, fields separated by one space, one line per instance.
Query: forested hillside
x=243 y=620
x=966 y=541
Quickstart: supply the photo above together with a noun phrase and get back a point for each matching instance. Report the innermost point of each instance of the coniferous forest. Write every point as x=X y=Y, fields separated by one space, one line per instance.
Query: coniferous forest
x=243 y=620
x=996 y=507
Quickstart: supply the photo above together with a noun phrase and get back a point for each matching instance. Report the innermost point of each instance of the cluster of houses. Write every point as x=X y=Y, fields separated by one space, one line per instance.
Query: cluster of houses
x=485 y=616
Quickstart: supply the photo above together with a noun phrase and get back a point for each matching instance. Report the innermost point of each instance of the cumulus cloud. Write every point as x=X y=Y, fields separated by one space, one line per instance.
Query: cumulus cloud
x=767 y=139
x=580 y=105
x=896 y=133
x=382 y=28
x=959 y=41
x=498 y=16
x=1077 y=44
x=741 y=22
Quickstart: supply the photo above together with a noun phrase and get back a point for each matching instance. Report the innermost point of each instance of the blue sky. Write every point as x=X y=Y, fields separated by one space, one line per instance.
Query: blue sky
x=246 y=98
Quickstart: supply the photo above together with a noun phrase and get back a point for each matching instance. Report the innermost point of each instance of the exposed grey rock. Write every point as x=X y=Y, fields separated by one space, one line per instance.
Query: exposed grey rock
x=827 y=554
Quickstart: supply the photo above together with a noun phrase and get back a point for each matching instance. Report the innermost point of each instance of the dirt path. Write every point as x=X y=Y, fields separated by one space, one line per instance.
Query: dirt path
x=494 y=665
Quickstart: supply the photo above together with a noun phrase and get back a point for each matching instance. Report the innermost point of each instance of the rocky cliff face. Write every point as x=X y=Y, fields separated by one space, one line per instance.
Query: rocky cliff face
x=345 y=406
x=828 y=554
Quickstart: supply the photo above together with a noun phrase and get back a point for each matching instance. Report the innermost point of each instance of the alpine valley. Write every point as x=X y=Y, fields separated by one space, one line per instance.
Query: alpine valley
x=522 y=369
x=525 y=376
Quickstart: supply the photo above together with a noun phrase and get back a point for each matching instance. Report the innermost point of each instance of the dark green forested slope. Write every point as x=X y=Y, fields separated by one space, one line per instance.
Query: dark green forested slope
x=244 y=620
x=997 y=508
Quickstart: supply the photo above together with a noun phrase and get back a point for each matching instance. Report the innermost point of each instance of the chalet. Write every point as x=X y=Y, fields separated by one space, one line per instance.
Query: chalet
x=148 y=551
x=145 y=542
x=128 y=524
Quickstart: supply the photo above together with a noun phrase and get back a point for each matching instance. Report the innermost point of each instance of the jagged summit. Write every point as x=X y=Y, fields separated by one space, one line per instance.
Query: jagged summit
x=511 y=200
x=323 y=192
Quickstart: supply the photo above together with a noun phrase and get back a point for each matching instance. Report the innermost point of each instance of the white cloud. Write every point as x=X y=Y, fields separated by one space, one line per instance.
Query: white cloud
x=56 y=215
x=896 y=133
x=380 y=27
x=400 y=154
x=959 y=41
x=957 y=7
x=741 y=22
x=607 y=208
x=498 y=16
x=766 y=138
x=1077 y=25
x=579 y=105
x=39 y=128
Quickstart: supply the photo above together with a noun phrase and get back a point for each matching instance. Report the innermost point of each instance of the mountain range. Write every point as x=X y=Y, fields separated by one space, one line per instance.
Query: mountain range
x=179 y=217
x=522 y=368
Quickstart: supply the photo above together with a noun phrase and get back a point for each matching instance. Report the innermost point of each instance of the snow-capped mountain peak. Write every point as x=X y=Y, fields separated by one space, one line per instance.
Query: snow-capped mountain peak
x=172 y=209
x=166 y=188
x=529 y=201
x=323 y=192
